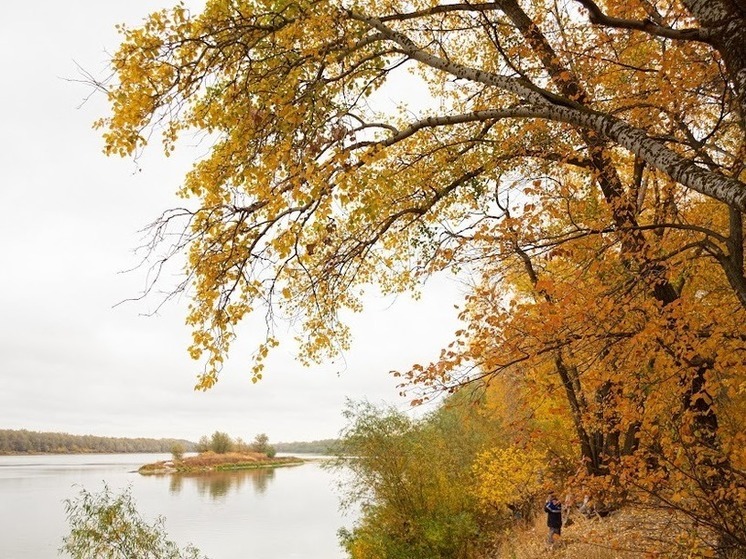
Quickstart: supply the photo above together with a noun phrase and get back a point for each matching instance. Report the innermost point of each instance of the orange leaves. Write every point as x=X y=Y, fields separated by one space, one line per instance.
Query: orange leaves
x=532 y=155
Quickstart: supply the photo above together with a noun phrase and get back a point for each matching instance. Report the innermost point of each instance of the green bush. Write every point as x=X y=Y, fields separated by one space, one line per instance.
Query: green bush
x=177 y=452
x=412 y=481
x=261 y=444
x=221 y=443
x=107 y=526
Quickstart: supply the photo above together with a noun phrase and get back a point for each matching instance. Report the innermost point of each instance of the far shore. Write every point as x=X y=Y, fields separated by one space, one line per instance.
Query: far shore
x=211 y=461
x=81 y=452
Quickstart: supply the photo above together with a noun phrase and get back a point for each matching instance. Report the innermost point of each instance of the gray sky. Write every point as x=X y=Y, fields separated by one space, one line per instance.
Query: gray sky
x=69 y=360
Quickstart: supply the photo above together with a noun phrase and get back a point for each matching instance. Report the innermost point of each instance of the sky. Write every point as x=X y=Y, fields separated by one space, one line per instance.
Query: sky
x=71 y=359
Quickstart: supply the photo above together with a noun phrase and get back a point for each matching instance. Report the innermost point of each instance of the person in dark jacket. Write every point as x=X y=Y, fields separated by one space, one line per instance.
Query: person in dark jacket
x=553 y=508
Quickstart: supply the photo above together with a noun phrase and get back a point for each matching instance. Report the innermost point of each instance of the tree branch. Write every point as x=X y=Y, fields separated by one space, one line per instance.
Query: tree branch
x=595 y=15
x=554 y=107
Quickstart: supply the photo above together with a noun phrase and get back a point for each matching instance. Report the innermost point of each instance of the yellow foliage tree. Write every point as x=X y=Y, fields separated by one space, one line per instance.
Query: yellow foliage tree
x=308 y=191
x=509 y=479
x=584 y=161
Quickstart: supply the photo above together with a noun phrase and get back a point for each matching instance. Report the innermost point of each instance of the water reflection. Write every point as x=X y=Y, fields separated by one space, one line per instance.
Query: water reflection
x=220 y=521
x=219 y=484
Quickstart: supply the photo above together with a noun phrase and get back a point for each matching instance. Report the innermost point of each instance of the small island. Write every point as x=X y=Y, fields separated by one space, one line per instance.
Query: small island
x=212 y=461
x=221 y=453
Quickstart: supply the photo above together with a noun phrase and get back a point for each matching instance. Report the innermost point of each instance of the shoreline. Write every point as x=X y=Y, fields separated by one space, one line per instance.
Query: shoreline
x=80 y=453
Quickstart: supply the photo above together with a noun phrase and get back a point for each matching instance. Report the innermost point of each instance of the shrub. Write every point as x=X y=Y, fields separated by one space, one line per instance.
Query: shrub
x=107 y=526
x=177 y=452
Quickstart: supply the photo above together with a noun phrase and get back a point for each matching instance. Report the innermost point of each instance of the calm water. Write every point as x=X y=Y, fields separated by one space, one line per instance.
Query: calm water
x=283 y=513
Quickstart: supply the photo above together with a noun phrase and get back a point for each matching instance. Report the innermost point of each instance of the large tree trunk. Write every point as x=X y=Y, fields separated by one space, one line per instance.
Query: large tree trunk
x=725 y=24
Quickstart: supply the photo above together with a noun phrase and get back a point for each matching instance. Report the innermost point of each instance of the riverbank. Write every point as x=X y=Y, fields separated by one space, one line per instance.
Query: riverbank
x=211 y=461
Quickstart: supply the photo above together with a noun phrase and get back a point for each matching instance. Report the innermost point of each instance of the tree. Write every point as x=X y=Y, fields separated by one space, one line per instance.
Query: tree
x=510 y=478
x=261 y=444
x=622 y=370
x=203 y=445
x=221 y=443
x=241 y=446
x=107 y=526
x=413 y=481
x=306 y=192
x=177 y=452
x=583 y=161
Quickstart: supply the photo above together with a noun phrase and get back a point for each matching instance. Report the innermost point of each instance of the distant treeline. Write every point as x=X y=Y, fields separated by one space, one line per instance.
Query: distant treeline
x=324 y=446
x=32 y=442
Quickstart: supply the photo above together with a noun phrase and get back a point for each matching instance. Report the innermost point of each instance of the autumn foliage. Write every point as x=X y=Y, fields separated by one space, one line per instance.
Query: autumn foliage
x=581 y=163
x=413 y=482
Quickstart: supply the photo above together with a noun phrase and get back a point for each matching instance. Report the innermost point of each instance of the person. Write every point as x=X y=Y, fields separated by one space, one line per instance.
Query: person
x=553 y=508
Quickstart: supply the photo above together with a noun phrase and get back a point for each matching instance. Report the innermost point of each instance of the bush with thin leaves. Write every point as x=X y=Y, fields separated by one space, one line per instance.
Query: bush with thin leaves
x=106 y=525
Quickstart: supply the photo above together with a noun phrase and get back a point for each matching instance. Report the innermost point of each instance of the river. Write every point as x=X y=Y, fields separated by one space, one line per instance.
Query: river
x=282 y=513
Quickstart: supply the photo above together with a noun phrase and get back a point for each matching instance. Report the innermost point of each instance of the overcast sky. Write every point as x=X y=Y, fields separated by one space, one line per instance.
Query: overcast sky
x=69 y=359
